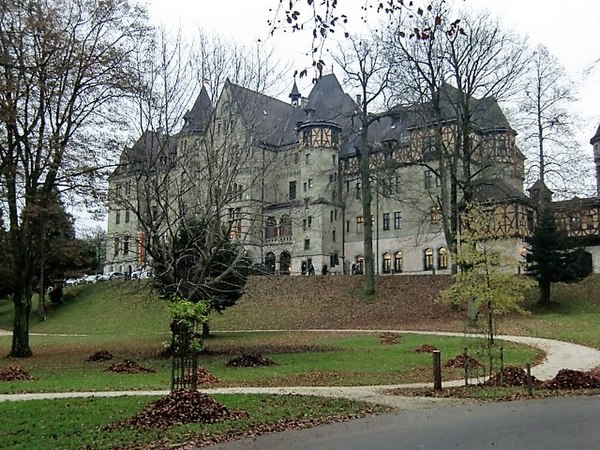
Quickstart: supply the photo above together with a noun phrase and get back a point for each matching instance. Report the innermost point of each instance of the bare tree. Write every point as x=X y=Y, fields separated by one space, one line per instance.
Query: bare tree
x=366 y=68
x=64 y=66
x=195 y=188
x=546 y=125
x=456 y=77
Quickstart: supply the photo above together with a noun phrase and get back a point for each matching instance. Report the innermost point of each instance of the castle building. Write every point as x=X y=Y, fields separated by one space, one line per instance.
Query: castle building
x=284 y=176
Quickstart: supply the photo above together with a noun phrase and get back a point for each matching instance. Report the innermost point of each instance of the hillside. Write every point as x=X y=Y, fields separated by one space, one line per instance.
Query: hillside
x=337 y=302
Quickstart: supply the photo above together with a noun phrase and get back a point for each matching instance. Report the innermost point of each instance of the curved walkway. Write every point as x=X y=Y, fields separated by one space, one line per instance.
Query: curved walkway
x=559 y=355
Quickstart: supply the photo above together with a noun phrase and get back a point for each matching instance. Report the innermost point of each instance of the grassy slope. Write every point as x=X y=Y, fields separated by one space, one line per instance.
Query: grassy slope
x=317 y=302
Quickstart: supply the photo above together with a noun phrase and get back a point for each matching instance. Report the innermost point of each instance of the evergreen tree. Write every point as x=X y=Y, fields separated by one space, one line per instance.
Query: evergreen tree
x=552 y=256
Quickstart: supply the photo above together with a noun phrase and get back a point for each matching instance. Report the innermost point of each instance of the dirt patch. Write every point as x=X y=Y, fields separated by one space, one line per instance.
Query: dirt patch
x=14 y=373
x=459 y=362
x=179 y=407
x=250 y=360
x=100 y=355
x=127 y=366
x=389 y=338
x=425 y=348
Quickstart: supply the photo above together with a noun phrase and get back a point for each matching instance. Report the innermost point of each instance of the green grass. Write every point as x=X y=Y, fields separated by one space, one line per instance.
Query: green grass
x=78 y=423
x=60 y=362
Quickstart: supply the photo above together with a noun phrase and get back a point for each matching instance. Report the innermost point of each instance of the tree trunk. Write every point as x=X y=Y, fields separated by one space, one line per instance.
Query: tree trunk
x=205 y=329
x=544 y=293
x=20 y=342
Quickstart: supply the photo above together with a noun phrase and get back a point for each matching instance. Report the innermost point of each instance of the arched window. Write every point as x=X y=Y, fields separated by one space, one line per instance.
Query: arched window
x=428 y=259
x=285 y=261
x=271 y=228
x=360 y=264
x=386 y=263
x=398 y=262
x=270 y=262
x=442 y=258
x=285 y=227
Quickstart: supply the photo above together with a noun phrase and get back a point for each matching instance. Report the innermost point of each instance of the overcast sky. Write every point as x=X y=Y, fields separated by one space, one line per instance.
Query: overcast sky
x=571 y=33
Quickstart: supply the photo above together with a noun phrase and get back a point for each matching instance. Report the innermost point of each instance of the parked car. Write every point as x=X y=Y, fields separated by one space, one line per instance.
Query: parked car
x=103 y=277
x=116 y=276
x=141 y=274
x=89 y=279
x=72 y=281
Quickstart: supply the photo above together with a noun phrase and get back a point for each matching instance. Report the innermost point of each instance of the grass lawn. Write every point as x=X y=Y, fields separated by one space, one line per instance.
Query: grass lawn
x=79 y=423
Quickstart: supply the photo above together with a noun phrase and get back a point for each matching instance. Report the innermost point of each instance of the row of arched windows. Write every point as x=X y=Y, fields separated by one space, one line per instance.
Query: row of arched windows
x=274 y=229
x=442 y=258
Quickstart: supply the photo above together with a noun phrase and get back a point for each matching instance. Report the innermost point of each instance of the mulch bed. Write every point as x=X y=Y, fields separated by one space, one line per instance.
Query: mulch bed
x=100 y=355
x=425 y=348
x=179 y=407
x=127 y=366
x=14 y=373
x=389 y=338
x=250 y=360
x=458 y=362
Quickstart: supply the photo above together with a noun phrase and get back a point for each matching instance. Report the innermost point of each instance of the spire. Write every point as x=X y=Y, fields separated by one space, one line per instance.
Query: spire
x=295 y=94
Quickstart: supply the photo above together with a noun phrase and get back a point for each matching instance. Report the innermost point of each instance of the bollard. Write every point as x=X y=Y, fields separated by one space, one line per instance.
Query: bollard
x=437 y=370
x=529 y=384
x=502 y=366
x=466 y=364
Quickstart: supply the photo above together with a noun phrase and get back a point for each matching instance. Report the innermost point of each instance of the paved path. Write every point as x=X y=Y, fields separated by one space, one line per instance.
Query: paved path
x=559 y=355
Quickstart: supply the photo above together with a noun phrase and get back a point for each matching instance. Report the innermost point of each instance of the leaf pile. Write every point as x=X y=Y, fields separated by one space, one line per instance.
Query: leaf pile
x=100 y=355
x=15 y=373
x=572 y=379
x=389 y=338
x=458 y=362
x=205 y=378
x=127 y=366
x=250 y=360
x=425 y=348
x=513 y=376
x=179 y=407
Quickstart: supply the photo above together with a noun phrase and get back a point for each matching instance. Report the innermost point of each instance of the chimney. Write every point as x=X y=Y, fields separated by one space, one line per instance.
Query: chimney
x=358 y=99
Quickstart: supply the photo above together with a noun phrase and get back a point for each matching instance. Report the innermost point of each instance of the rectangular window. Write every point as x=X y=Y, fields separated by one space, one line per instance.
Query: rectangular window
x=397 y=220
x=335 y=214
x=118 y=190
x=118 y=216
x=306 y=159
x=436 y=215
x=128 y=188
x=127 y=216
x=333 y=235
x=347 y=187
x=304 y=185
x=126 y=247
x=331 y=216
x=358 y=190
x=306 y=244
x=386 y=221
x=333 y=159
x=398 y=181
x=359 y=224
x=117 y=246
x=428 y=179
x=296 y=158
x=292 y=190
x=310 y=183
x=304 y=224
x=310 y=221
x=347 y=226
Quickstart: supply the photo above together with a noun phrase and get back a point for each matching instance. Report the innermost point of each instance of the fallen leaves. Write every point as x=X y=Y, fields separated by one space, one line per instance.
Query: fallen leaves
x=459 y=362
x=15 y=373
x=250 y=360
x=100 y=355
x=127 y=366
x=389 y=338
x=425 y=348
x=178 y=408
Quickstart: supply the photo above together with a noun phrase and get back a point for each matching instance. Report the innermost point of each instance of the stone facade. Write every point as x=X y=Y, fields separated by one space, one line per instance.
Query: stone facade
x=296 y=204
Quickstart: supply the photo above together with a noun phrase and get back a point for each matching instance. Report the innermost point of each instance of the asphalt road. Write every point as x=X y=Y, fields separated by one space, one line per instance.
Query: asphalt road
x=550 y=424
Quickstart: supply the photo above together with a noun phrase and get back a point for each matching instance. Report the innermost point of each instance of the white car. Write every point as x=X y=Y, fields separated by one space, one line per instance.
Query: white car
x=141 y=274
x=72 y=281
x=90 y=279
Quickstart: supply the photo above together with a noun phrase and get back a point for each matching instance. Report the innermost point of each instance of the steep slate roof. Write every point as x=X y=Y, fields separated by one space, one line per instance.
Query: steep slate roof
x=329 y=102
x=596 y=136
x=272 y=121
x=497 y=190
x=145 y=153
x=197 y=118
